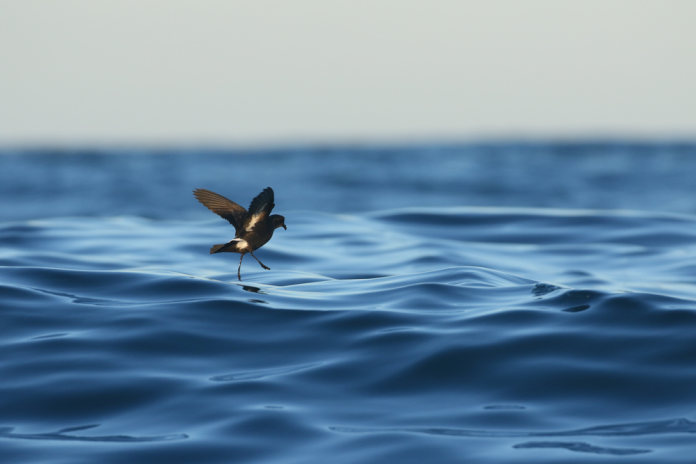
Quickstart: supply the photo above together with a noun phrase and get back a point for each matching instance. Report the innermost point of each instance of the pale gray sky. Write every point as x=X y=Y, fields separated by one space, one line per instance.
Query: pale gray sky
x=170 y=72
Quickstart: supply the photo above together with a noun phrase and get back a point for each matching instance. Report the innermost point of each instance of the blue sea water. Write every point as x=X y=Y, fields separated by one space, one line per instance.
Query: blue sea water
x=513 y=303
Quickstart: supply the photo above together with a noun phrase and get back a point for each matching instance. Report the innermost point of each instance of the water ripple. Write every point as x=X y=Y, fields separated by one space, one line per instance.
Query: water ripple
x=582 y=447
x=7 y=432
x=260 y=374
x=670 y=426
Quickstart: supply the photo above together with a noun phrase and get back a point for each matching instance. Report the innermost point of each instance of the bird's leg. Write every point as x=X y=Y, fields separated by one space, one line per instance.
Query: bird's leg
x=262 y=265
x=239 y=269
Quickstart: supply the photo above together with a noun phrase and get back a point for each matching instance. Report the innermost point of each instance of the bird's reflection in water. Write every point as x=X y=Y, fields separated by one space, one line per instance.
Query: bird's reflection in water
x=251 y=289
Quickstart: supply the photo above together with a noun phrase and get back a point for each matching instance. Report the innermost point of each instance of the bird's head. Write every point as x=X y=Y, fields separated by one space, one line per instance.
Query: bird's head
x=278 y=221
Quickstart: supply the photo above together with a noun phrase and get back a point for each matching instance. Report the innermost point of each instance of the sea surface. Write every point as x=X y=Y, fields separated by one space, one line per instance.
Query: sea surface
x=501 y=303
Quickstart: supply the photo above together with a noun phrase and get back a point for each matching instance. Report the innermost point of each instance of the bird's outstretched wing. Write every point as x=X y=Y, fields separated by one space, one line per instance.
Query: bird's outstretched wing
x=226 y=209
x=260 y=209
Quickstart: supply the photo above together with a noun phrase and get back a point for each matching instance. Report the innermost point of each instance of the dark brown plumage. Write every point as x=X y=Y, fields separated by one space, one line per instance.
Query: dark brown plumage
x=254 y=228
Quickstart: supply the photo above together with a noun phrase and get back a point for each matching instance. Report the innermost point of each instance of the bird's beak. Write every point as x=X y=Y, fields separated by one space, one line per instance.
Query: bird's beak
x=285 y=227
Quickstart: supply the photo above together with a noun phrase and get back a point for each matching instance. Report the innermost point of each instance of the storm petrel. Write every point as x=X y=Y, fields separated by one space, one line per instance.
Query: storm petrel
x=254 y=228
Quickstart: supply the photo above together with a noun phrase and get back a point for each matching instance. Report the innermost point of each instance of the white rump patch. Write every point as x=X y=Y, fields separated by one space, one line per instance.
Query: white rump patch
x=241 y=243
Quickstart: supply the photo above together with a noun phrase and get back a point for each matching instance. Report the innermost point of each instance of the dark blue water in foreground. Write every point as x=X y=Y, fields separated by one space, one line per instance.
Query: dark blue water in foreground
x=445 y=333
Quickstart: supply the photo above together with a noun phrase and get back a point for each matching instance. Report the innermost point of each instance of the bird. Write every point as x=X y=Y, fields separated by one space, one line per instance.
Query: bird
x=254 y=228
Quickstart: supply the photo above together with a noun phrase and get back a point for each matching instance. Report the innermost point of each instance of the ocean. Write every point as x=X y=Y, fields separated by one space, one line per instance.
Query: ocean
x=482 y=303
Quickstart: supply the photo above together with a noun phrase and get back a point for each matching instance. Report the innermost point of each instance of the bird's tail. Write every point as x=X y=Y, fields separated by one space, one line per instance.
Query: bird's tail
x=217 y=248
